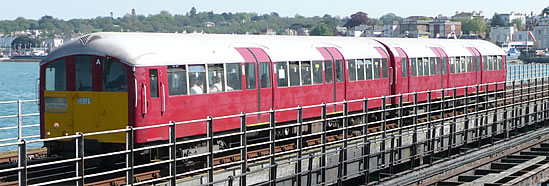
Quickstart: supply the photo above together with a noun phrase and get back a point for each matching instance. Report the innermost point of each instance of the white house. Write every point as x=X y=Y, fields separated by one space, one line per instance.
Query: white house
x=502 y=34
x=541 y=32
x=511 y=16
x=54 y=43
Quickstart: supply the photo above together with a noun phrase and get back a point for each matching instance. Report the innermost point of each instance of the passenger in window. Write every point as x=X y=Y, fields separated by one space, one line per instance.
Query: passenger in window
x=217 y=85
x=196 y=87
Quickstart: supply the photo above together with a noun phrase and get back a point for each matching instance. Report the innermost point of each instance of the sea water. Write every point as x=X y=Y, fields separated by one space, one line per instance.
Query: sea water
x=18 y=81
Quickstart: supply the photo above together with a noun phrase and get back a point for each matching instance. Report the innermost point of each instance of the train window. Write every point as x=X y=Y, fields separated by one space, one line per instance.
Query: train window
x=294 y=73
x=444 y=66
x=469 y=64
x=282 y=72
x=478 y=63
x=56 y=76
x=494 y=62
x=153 y=83
x=490 y=63
x=83 y=68
x=384 y=67
x=317 y=72
x=377 y=69
x=500 y=63
x=339 y=70
x=265 y=74
x=329 y=71
x=404 y=66
x=216 y=79
x=419 y=66
x=463 y=64
x=197 y=79
x=414 y=67
x=426 y=67
x=458 y=64
x=352 y=70
x=437 y=64
x=114 y=77
x=472 y=63
x=360 y=69
x=177 y=80
x=251 y=82
x=473 y=69
x=369 y=69
x=452 y=65
x=234 y=76
x=485 y=62
x=433 y=64
x=306 y=73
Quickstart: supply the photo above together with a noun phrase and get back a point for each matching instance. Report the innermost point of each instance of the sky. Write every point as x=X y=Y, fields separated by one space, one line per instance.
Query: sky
x=70 y=9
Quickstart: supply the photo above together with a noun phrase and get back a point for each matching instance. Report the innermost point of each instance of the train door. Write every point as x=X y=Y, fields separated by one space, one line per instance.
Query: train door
x=334 y=74
x=154 y=90
x=259 y=91
x=477 y=64
x=444 y=67
x=405 y=75
x=387 y=75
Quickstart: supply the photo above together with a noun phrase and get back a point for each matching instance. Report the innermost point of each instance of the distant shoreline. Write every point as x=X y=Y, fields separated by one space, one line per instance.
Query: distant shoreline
x=20 y=60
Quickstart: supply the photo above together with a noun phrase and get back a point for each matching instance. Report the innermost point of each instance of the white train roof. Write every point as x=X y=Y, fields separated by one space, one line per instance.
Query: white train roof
x=150 y=49
x=452 y=47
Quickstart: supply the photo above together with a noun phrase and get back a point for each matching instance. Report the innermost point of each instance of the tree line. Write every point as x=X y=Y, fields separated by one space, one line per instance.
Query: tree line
x=193 y=21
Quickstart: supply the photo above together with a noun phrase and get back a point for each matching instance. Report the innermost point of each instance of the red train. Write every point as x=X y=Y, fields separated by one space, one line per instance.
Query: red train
x=107 y=81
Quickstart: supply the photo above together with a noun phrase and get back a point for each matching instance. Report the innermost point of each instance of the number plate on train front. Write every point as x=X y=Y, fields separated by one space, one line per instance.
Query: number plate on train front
x=84 y=101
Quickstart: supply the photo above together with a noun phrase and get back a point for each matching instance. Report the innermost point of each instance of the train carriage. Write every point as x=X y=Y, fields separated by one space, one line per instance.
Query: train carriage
x=106 y=81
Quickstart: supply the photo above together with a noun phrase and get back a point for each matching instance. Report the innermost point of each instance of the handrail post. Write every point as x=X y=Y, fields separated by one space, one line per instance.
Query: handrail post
x=173 y=154
x=299 y=143
x=79 y=150
x=414 y=148
x=366 y=144
x=272 y=146
x=129 y=155
x=466 y=123
x=19 y=120
x=22 y=162
x=210 y=150
x=400 y=125
x=323 y=148
x=384 y=129
x=345 y=135
x=431 y=128
x=310 y=173
x=244 y=149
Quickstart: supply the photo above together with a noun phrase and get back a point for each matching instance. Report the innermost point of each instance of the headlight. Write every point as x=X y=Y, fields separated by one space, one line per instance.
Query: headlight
x=65 y=133
x=48 y=133
x=56 y=125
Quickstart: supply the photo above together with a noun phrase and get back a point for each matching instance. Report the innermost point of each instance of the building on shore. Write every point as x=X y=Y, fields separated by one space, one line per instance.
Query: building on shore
x=445 y=29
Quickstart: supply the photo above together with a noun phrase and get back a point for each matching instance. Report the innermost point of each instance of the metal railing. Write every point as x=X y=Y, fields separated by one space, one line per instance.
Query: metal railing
x=12 y=125
x=435 y=122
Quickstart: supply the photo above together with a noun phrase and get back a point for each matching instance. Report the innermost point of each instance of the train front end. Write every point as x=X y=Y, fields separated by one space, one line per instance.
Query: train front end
x=83 y=93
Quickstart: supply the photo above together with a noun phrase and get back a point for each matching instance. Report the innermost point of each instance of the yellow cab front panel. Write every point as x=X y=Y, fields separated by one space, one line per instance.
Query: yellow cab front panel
x=86 y=103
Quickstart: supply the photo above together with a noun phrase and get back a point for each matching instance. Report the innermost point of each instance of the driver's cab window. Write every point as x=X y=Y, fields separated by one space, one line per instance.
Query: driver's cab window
x=114 y=77
x=56 y=76
x=83 y=72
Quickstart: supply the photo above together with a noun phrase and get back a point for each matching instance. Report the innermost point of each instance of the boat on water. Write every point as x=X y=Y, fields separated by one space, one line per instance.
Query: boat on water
x=513 y=53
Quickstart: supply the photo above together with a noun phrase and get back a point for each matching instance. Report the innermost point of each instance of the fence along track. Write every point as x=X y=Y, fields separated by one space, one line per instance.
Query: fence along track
x=381 y=153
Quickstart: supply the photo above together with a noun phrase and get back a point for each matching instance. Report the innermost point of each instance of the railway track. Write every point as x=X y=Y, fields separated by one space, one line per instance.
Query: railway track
x=119 y=179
